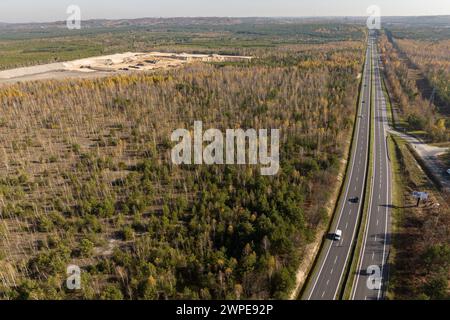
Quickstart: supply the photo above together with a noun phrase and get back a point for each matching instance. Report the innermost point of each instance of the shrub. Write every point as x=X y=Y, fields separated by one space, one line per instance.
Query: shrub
x=86 y=248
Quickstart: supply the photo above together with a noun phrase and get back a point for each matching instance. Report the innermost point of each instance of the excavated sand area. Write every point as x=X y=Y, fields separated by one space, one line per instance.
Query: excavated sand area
x=105 y=65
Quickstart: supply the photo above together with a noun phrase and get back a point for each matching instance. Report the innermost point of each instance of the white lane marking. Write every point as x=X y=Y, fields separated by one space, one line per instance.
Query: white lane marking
x=328 y=281
x=373 y=255
x=323 y=293
x=386 y=211
x=331 y=272
x=378 y=221
x=335 y=259
x=346 y=196
x=361 y=256
x=346 y=226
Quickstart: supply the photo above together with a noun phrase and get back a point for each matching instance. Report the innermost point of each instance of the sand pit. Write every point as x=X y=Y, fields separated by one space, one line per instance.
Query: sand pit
x=116 y=63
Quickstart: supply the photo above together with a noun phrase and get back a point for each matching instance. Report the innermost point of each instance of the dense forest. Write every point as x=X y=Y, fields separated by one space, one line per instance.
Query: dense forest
x=86 y=177
x=418 y=74
x=35 y=44
x=417 y=69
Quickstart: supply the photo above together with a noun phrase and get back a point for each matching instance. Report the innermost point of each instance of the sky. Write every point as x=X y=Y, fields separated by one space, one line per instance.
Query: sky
x=55 y=10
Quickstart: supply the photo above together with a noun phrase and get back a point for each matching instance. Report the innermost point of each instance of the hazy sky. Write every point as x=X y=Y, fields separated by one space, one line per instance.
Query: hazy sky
x=52 y=10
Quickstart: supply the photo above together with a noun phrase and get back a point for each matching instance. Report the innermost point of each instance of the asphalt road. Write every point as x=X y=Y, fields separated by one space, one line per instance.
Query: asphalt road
x=372 y=271
x=328 y=274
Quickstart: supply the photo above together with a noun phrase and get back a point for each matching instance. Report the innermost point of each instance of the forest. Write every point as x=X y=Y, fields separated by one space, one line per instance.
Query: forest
x=41 y=44
x=417 y=70
x=86 y=176
x=418 y=74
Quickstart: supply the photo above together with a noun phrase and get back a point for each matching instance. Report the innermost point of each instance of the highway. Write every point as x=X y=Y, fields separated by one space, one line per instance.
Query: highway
x=372 y=271
x=329 y=272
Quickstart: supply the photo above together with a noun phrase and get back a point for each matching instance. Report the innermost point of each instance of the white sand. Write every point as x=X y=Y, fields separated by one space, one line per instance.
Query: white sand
x=115 y=63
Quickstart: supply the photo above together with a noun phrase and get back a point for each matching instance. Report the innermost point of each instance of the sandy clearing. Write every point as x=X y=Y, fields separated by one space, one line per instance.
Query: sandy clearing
x=105 y=65
x=429 y=154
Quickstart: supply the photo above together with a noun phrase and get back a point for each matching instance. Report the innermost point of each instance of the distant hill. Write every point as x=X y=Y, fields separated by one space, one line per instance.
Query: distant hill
x=439 y=21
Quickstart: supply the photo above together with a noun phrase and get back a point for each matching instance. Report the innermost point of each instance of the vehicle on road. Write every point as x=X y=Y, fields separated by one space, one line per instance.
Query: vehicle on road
x=448 y=171
x=338 y=235
x=354 y=200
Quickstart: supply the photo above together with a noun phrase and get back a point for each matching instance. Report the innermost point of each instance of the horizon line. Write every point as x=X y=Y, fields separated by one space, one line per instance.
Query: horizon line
x=225 y=17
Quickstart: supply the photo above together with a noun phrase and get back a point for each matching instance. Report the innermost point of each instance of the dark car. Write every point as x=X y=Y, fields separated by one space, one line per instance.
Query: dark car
x=354 y=200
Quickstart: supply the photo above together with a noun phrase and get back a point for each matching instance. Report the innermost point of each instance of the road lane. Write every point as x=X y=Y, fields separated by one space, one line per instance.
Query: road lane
x=376 y=240
x=325 y=282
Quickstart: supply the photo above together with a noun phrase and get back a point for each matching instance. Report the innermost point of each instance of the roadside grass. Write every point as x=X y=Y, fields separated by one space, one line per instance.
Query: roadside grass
x=408 y=223
x=423 y=135
x=445 y=158
x=441 y=144
x=387 y=98
x=397 y=211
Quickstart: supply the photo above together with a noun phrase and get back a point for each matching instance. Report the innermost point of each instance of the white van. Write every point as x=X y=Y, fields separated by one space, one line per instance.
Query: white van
x=338 y=235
